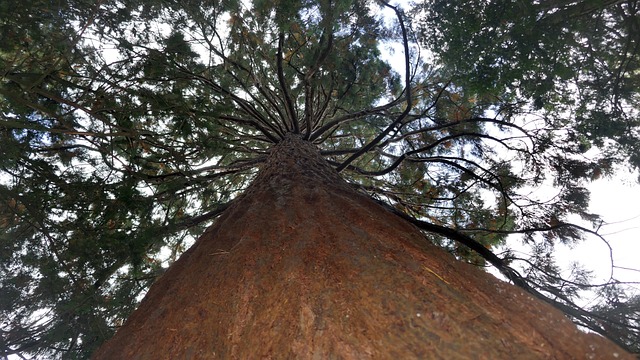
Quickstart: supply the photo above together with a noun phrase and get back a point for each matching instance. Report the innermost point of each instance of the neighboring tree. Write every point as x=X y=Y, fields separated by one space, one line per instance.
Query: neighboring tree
x=575 y=63
x=129 y=126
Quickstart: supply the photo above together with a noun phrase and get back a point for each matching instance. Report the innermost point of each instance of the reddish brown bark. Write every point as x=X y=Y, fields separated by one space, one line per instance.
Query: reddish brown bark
x=304 y=267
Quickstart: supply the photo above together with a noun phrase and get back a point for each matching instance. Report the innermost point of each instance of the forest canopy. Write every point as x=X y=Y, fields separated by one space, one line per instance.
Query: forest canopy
x=128 y=126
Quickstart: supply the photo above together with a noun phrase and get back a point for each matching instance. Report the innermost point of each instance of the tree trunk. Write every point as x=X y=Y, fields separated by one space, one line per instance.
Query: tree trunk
x=302 y=266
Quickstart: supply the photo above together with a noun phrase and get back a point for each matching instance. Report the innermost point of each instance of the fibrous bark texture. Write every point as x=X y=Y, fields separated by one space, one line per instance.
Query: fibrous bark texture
x=304 y=267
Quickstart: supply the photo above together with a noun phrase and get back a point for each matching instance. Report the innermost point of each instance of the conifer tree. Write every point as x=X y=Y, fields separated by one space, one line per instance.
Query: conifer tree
x=128 y=127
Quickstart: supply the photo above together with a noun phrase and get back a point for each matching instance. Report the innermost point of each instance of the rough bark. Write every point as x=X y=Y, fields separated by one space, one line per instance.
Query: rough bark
x=303 y=266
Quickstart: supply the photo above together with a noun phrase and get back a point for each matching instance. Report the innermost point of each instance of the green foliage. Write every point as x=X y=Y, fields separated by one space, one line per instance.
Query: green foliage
x=575 y=64
x=620 y=314
x=126 y=127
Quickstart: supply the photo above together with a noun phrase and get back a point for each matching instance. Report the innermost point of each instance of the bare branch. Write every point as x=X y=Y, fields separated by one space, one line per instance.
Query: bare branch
x=291 y=111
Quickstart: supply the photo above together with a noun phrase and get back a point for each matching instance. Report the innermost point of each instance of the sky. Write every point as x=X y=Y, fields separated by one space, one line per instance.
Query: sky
x=617 y=200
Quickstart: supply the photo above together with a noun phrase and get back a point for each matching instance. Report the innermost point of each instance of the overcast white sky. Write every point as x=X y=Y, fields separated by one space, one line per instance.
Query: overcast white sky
x=618 y=202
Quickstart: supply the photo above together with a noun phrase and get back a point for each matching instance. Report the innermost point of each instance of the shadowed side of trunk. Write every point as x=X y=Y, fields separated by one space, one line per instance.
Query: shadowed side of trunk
x=302 y=266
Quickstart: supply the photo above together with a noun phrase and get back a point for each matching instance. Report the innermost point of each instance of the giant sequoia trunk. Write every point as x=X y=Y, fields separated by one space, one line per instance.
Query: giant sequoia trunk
x=303 y=266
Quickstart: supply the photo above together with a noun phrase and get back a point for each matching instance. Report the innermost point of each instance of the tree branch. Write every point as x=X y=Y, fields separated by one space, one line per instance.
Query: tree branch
x=408 y=91
x=291 y=111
